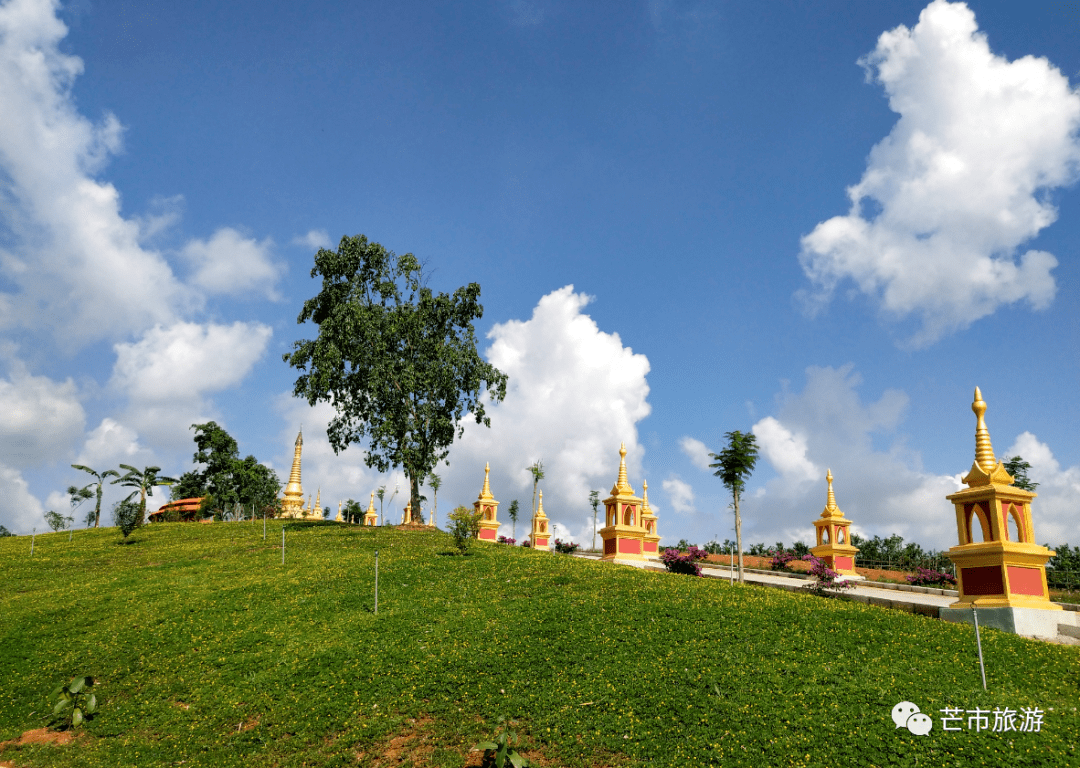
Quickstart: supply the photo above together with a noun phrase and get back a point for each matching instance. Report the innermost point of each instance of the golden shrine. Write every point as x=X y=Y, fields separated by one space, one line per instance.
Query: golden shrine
x=998 y=563
x=834 y=536
x=541 y=529
x=624 y=533
x=488 y=508
x=292 y=500
x=339 y=518
x=651 y=539
x=371 y=517
x=406 y=515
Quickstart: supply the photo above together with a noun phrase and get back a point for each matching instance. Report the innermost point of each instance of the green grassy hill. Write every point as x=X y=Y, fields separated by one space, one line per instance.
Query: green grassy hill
x=209 y=652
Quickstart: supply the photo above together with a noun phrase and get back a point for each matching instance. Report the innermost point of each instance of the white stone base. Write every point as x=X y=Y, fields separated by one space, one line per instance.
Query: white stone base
x=1037 y=623
x=845 y=577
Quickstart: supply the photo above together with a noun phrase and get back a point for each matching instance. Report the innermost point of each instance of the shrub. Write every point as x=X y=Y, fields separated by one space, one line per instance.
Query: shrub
x=5 y=532
x=566 y=547
x=781 y=560
x=126 y=516
x=526 y=543
x=926 y=577
x=57 y=521
x=507 y=540
x=464 y=525
x=676 y=562
x=74 y=703
x=825 y=578
x=498 y=753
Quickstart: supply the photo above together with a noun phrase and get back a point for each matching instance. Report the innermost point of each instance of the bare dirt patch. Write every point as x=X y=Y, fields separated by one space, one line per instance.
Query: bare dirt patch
x=36 y=736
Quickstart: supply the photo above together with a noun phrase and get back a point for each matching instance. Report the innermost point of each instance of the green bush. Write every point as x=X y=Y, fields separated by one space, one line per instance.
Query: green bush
x=126 y=516
x=464 y=525
x=74 y=703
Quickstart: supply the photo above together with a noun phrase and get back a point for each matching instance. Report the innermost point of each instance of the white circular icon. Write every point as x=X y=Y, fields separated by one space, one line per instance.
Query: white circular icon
x=907 y=715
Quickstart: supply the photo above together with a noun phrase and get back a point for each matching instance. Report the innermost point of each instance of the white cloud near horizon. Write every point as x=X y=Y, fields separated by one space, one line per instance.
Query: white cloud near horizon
x=1054 y=512
x=960 y=183
x=574 y=394
x=39 y=417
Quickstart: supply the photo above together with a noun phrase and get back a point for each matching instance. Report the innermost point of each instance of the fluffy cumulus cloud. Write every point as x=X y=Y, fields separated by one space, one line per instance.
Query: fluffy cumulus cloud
x=829 y=425
x=679 y=494
x=20 y=510
x=952 y=193
x=78 y=265
x=229 y=263
x=575 y=394
x=1054 y=512
x=698 y=453
x=40 y=418
x=167 y=374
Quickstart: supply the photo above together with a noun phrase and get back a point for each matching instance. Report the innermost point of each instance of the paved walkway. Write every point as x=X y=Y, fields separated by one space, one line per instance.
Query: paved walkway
x=925 y=601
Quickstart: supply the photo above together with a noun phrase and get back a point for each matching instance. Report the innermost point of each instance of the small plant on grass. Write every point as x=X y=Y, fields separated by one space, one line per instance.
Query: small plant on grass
x=566 y=547
x=126 y=516
x=781 y=560
x=498 y=753
x=74 y=703
x=676 y=562
x=464 y=525
x=825 y=578
x=926 y=577
x=507 y=540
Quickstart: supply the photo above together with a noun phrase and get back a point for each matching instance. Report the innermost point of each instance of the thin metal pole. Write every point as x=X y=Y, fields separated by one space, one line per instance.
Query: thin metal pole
x=376 y=582
x=283 y=545
x=264 y=525
x=70 y=530
x=978 y=642
x=731 y=564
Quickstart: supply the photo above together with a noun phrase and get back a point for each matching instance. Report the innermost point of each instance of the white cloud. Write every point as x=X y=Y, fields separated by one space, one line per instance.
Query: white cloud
x=229 y=263
x=882 y=491
x=679 y=493
x=575 y=393
x=78 y=264
x=960 y=181
x=698 y=453
x=1054 y=512
x=785 y=450
x=39 y=418
x=315 y=238
x=169 y=372
x=111 y=443
x=20 y=510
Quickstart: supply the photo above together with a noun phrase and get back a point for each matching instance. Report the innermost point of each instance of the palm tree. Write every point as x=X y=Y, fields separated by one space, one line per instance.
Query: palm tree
x=594 y=500
x=537 y=470
x=100 y=478
x=733 y=465
x=144 y=483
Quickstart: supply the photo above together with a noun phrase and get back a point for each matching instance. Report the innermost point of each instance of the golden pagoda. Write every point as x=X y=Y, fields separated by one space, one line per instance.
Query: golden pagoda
x=371 y=517
x=316 y=511
x=624 y=533
x=488 y=508
x=651 y=539
x=292 y=500
x=540 y=537
x=406 y=515
x=834 y=536
x=998 y=563
x=339 y=518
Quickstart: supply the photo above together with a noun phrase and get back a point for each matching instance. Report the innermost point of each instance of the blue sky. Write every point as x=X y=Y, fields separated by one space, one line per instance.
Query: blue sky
x=826 y=222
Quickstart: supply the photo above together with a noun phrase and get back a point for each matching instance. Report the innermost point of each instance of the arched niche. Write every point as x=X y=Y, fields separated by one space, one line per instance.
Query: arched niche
x=824 y=535
x=1015 y=524
x=982 y=530
x=840 y=536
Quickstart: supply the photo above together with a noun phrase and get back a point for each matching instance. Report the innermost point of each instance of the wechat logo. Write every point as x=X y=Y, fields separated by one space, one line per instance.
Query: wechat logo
x=907 y=715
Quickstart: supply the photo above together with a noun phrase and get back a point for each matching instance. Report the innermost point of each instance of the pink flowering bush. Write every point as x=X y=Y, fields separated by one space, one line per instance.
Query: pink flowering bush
x=781 y=560
x=925 y=577
x=566 y=547
x=507 y=540
x=676 y=562
x=825 y=578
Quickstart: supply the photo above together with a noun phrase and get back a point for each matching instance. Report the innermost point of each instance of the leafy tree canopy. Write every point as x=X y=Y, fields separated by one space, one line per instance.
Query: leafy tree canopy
x=1018 y=468
x=223 y=475
x=398 y=362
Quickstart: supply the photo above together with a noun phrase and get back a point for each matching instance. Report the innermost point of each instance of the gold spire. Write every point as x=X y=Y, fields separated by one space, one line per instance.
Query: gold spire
x=622 y=485
x=292 y=500
x=540 y=506
x=371 y=504
x=831 y=510
x=318 y=503
x=984 y=451
x=645 y=497
x=485 y=494
x=339 y=519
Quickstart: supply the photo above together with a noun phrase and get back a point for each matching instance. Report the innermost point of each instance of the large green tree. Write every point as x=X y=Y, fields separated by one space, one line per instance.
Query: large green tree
x=99 y=481
x=397 y=361
x=222 y=476
x=733 y=466
x=1018 y=468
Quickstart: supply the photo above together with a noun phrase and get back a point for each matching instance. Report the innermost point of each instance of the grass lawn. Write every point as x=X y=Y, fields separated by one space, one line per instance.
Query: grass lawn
x=209 y=652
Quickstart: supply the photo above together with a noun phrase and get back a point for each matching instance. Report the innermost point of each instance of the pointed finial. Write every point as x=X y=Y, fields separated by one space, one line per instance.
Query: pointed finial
x=832 y=497
x=540 y=506
x=485 y=493
x=984 y=451
x=622 y=485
